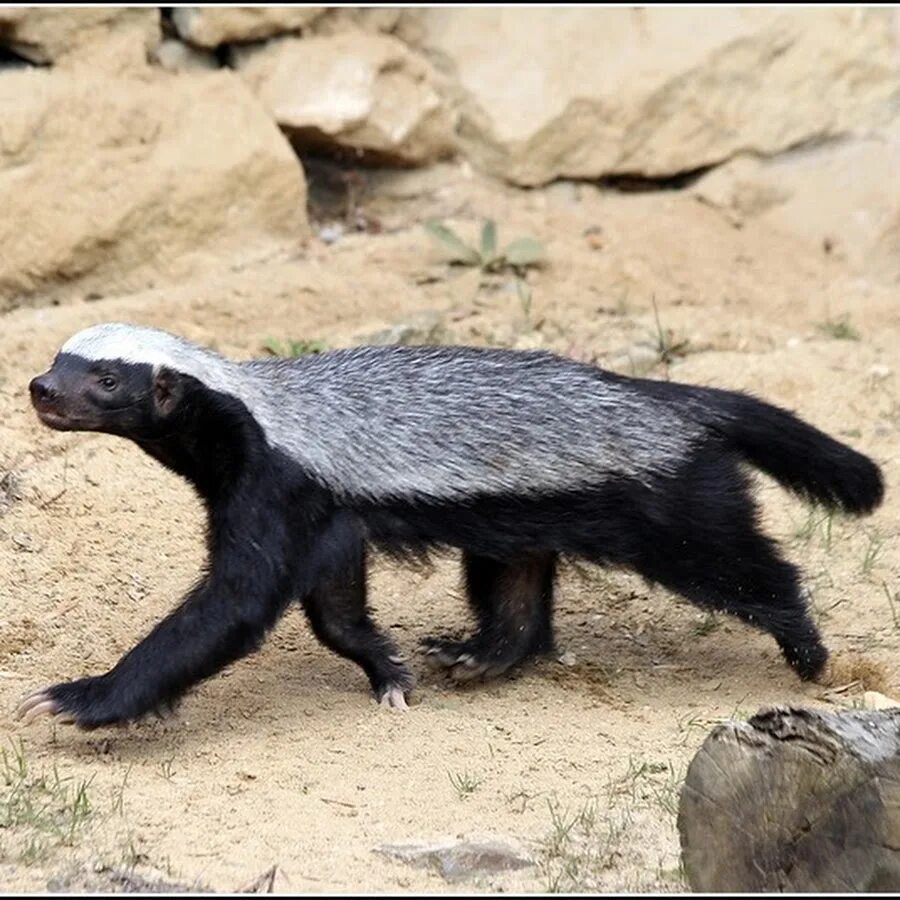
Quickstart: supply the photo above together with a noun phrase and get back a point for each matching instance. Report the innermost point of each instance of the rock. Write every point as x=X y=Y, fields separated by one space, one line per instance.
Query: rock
x=113 y=185
x=875 y=701
x=844 y=197
x=331 y=234
x=797 y=801
x=108 y=37
x=27 y=542
x=360 y=92
x=460 y=860
x=879 y=371
x=175 y=56
x=385 y=19
x=211 y=26
x=739 y=190
x=549 y=92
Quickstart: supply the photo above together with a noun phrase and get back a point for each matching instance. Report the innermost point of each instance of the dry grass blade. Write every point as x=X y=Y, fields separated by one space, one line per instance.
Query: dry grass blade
x=265 y=884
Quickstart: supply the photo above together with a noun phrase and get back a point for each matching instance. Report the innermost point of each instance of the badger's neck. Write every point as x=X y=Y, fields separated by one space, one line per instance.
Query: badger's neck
x=215 y=441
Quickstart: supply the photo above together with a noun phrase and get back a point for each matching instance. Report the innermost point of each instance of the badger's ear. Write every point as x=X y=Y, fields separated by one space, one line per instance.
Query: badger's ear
x=168 y=389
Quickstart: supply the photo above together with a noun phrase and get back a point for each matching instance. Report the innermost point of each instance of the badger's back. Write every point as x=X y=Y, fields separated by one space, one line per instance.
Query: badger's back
x=453 y=422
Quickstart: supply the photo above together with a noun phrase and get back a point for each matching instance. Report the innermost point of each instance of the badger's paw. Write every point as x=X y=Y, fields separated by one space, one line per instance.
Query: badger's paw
x=87 y=703
x=466 y=660
x=394 y=685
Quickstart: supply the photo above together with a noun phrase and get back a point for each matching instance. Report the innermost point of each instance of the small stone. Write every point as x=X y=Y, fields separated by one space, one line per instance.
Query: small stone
x=567 y=659
x=460 y=860
x=874 y=700
x=26 y=542
x=175 y=56
x=562 y=193
x=330 y=234
x=595 y=237
x=425 y=327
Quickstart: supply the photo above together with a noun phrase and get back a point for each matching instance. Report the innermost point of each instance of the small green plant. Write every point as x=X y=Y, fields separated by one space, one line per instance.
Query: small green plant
x=293 y=348
x=464 y=783
x=817 y=521
x=874 y=546
x=578 y=847
x=667 y=790
x=892 y=605
x=707 y=625
x=525 y=296
x=42 y=811
x=118 y=797
x=520 y=800
x=518 y=255
x=840 y=329
x=667 y=346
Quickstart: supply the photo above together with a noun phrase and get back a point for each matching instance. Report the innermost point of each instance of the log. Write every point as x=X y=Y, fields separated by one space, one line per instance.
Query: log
x=795 y=800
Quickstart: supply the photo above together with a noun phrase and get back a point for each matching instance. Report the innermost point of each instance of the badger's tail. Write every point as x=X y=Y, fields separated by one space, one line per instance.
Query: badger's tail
x=798 y=456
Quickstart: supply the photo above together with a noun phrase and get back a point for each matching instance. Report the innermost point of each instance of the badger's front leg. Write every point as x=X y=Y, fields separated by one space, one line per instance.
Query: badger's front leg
x=337 y=612
x=252 y=577
x=222 y=619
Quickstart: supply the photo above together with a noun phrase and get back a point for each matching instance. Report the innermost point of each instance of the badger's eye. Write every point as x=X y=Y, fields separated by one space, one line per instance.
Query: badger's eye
x=108 y=382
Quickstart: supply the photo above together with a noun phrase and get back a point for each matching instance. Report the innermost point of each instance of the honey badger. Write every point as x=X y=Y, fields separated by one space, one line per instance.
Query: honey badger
x=515 y=457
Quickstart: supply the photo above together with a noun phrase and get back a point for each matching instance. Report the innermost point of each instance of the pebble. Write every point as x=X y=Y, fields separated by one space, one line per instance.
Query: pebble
x=459 y=860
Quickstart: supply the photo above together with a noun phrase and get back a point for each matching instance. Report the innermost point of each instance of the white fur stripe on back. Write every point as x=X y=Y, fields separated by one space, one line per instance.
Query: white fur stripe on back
x=433 y=422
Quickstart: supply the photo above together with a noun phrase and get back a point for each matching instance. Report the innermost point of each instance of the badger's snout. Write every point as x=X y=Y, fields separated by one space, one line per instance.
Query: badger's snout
x=46 y=397
x=44 y=391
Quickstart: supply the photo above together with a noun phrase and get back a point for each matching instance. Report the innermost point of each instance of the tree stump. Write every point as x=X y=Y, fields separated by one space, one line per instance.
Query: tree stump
x=795 y=800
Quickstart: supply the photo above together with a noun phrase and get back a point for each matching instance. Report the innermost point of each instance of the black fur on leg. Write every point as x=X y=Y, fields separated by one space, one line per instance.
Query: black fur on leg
x=337 y=612
x=695 y=532
x=513 y=604
x=709 y=549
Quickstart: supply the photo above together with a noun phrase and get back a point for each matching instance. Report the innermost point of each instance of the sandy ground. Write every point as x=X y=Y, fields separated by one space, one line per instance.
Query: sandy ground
x=285 y=760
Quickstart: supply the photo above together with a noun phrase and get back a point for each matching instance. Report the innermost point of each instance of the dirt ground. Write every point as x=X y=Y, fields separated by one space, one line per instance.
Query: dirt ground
x=285 y=760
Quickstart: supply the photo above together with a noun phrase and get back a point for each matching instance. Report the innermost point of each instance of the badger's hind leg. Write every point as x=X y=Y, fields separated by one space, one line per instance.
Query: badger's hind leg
x=338 y=614
x=712 y=552
x=513 y=606
x=750 y=581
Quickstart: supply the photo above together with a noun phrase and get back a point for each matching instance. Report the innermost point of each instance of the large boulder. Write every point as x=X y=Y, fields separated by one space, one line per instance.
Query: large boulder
x=586 y=92
x=844 y=197
x=211 y=26
x=109 y=37
x=113 y=185
x=356 y=91
x=399 y=21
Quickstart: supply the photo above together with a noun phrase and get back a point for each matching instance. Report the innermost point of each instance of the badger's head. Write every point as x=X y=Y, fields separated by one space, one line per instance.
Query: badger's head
x=119 y=379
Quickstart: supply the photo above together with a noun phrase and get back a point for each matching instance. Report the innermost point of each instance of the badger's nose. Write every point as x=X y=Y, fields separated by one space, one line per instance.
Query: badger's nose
x=42 y=389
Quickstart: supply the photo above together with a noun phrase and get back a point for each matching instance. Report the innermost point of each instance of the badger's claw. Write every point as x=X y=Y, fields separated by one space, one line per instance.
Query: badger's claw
x=442 y=653
x=394 y=698
x=465 y=661
x=41 y=703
